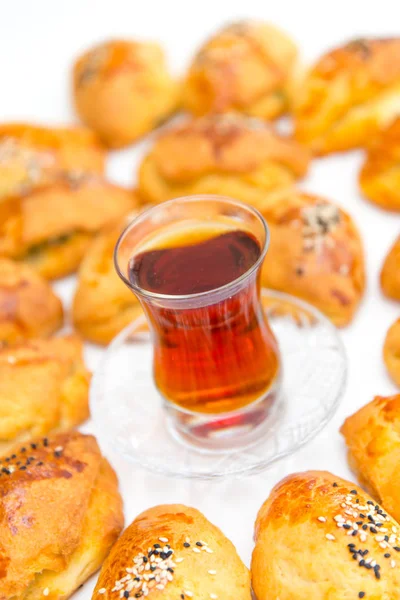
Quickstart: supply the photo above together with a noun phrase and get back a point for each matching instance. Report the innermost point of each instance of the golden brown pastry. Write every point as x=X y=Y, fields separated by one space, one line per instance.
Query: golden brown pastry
x=123 y=89
x=44 y=387
x=350 y=94
x=380 y=173
x=188 y=557
x=28 y=306
x=60 y=514
x=306 y=549
x=103 y=305
x=391 y=352
x=372 y=438
x=51 y=227
x=231 y=155
x=31 y=155
x=390 y=273
x=315 y=253
x=246 y=66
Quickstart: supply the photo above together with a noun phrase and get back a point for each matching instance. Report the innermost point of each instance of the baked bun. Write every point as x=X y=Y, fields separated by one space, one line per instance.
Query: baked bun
x=380 y=174
x=31 y=155
x=51 y=227
x=231 y=154
x=390 y=273
x=349 y=95
x=41 y=369
x=61 y=513
x=103 y=305
x=306 y=549
x=173 y=551
x=391 y=352
x=371 y=436
x=315 y=253
x=246 y=66
x=28 y=306
x=123 y=89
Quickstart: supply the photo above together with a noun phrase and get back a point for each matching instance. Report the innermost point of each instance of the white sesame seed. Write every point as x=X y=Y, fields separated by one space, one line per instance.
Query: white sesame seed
x=12 y=360
x=179 y=560
x=102 y=591
x=189 y=594
x=196 y=550
x=207 y=549
x=379 y=538
x=213 y=596
x=187 y=540
x=383 y=544
x=373 y=563
x=322 y=519
x=164 y=540
x=329 y=536
x=46 y=592
x=58 y=449
x=393 y=564
x=363 y=536
x=212 y=572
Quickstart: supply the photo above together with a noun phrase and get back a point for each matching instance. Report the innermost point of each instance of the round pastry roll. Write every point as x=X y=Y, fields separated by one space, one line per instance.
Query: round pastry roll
x=31 y=155
x=371 y=436
x=391 y=352
x=247 y=66
x=319 y=536
x=173 y=551
x=103 y=305
x=390 y=273
x=51 y=227
x=61 y=513
x=315 y=253
x=231 y=154
x=380 y=173
x=123 y=89
x=350 y=94
x=28 y=306
x=36 y=369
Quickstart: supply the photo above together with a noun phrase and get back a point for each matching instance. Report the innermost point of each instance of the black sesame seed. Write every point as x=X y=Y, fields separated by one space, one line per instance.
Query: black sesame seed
x=386 y=538
x=45 y=442
x=370 y=502
x=361 y=594
x=387 y=555
x=170 y=570
x=354 y=492
x=8 y=459
x=138 y=594
x=152 y=568
x=33 y=446
x=39 y=464
x=145 y=559
x=359 y=522
x=22 y=468
x=126 y=594
x=351 y=545
x=156 y=546
x=362 y=562
x=365 y=527
x=23 y=450
x=346 y=526
x=186 y=545
x=354 y=533
x=334 y=484
x=199 y=544
x=362 y=515
x=168 y=554
x=163 y=555
x=13 y=456
x=373 y=530
x=182 y=596
x=396 y=548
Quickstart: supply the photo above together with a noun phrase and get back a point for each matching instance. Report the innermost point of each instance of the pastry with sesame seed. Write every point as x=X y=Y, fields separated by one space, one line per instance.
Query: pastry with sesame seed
x=123 y=89
x=32 y=155
x=372 y=438
x=44 y=387
x=315 y=253
x=318 y=536
x=227 y=154
x=349 y=95
x=29 y=308
x=51 y=227
x=173 y=552
x=61 y=512
x=248 y=66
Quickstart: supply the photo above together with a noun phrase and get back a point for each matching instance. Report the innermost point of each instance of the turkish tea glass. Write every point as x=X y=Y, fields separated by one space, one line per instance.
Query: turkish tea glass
x=216 y=362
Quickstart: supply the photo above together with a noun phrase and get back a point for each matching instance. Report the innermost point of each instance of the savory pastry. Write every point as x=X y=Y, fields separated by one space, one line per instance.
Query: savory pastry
x=315 y=253
x=231 y=154
x=390 y=273
x=349 y=95
x=318 y=537
x=246 y=66
x=43 y=388
x=123 y=90
x=103 y=305
x=31 y=155
x=391 y=352
x=172 y=551
x=372 y=438
x=51 y=227
x=60 y=514
x=28 y=306
x=380 y=174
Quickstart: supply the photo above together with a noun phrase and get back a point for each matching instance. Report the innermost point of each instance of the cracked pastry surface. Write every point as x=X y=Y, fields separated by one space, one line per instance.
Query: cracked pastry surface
x=231 y=155
x=123 y=89
x=28 y=306
x=247 y=67
x=349 y=95
x=44 y=387
x=319 y=536
x=315 y=253
x=61 y=513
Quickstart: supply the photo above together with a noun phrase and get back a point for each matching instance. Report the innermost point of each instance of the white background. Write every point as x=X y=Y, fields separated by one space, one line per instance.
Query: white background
x=39 y=40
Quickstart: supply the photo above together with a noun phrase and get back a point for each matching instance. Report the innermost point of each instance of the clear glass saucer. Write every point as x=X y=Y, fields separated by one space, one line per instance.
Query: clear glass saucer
x=128 y=410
